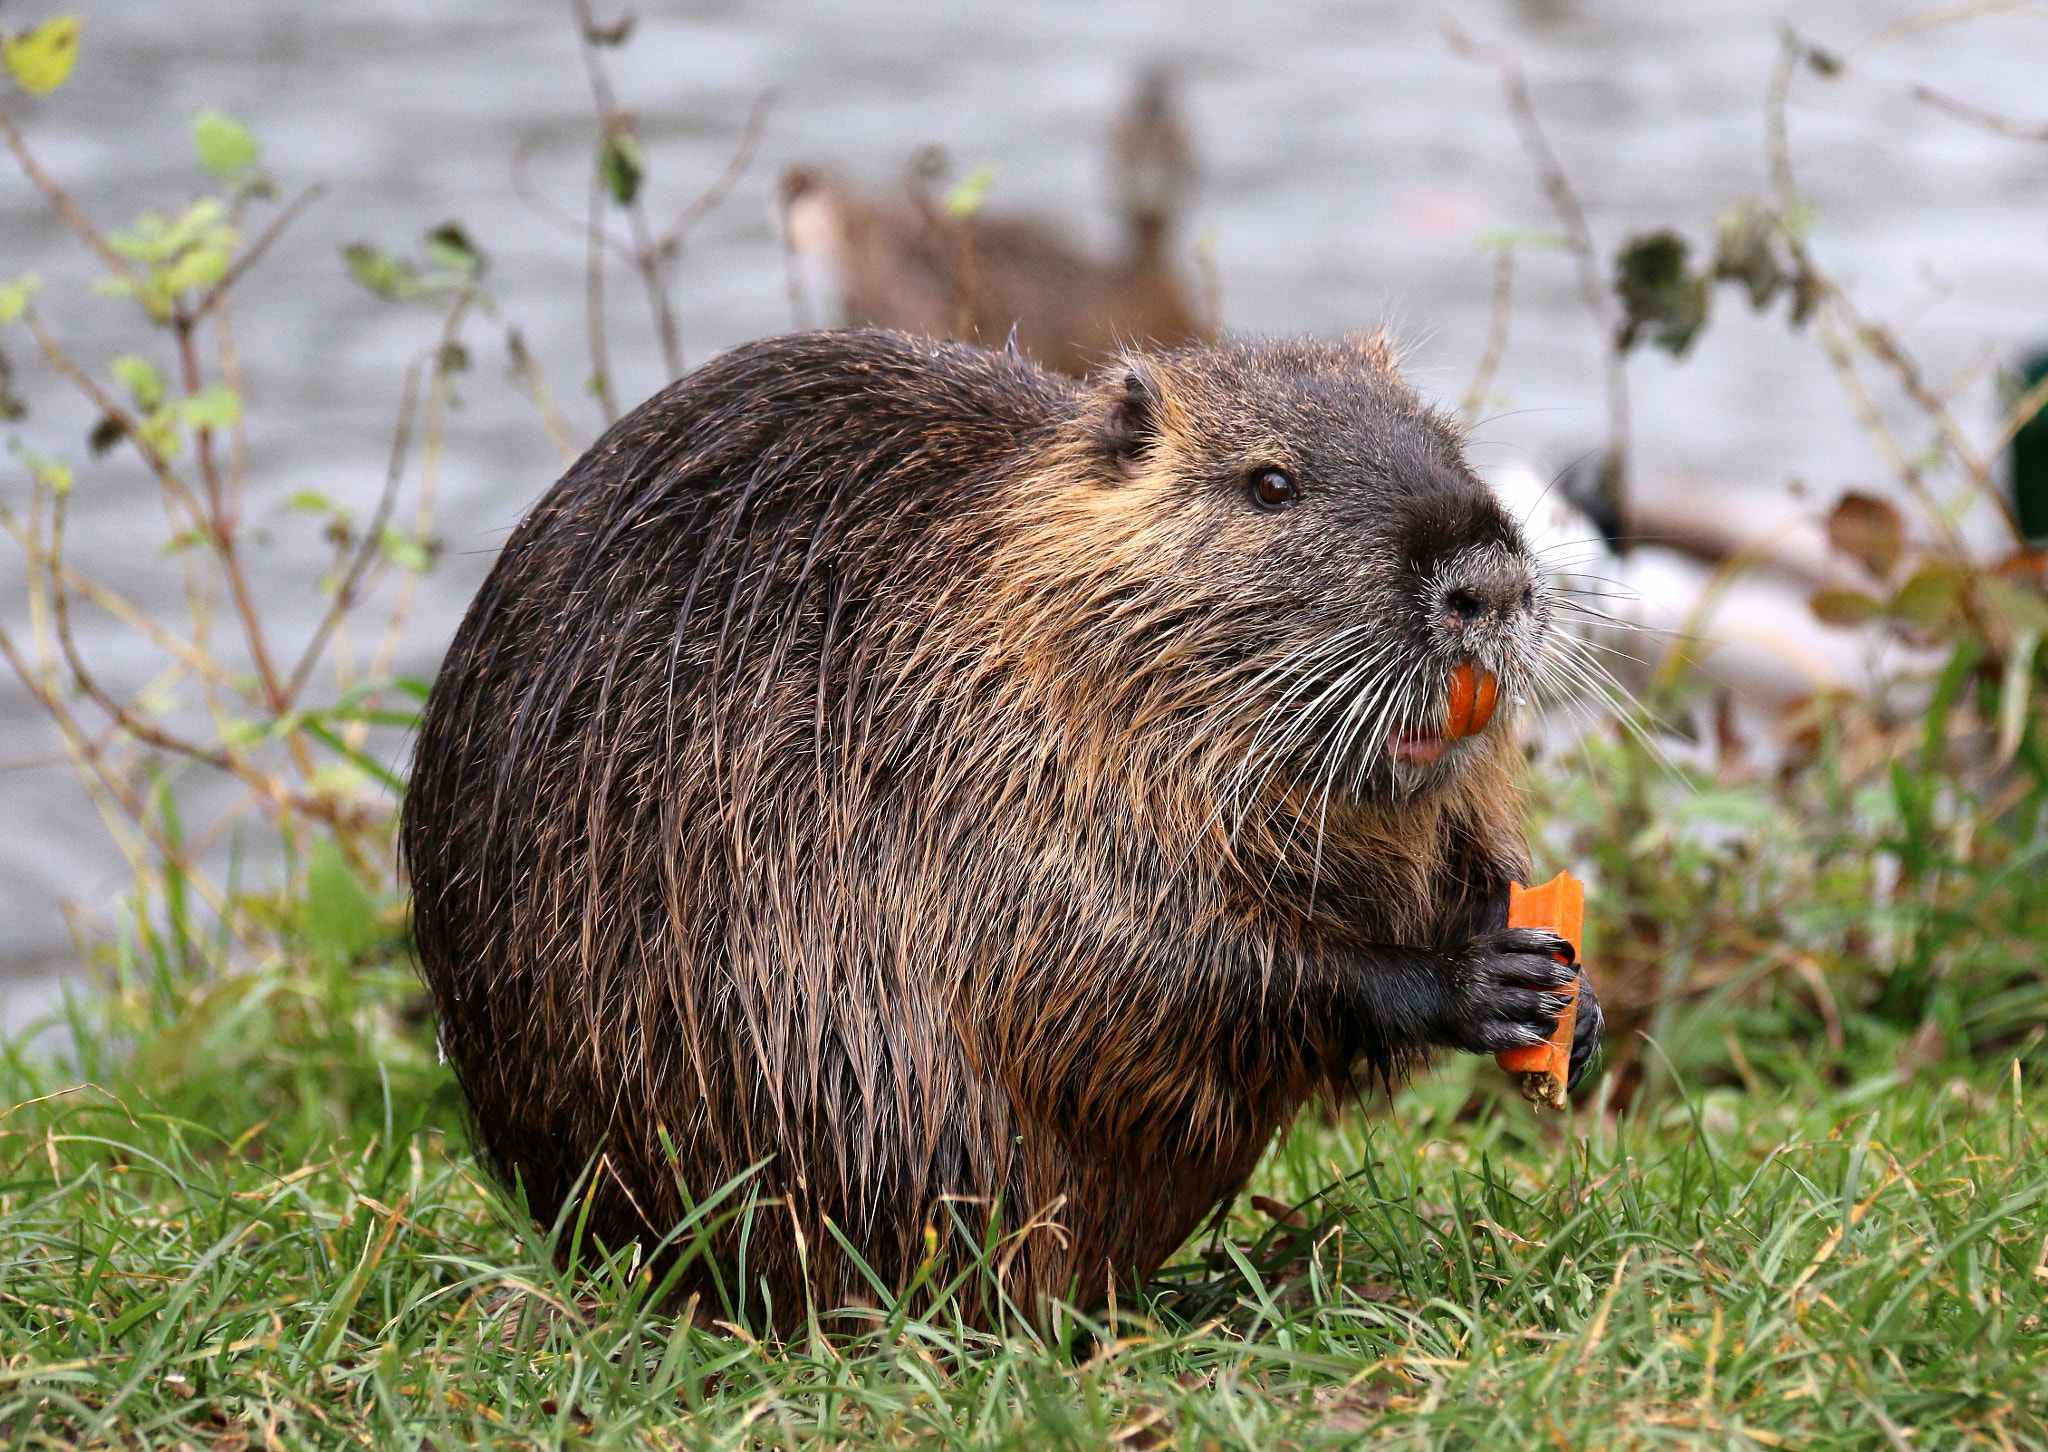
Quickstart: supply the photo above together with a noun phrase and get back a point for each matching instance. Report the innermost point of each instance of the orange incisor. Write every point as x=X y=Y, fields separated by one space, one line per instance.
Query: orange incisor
x=1473 y=694
x=1542 y=1070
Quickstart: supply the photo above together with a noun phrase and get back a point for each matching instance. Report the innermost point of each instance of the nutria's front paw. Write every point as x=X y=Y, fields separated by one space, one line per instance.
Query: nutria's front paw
x=1505 y=993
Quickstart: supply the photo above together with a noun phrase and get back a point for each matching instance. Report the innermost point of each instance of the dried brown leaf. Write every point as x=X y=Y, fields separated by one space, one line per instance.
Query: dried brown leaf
x=1870 y=531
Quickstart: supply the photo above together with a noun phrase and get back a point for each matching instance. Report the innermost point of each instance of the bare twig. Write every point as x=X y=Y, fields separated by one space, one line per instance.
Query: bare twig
x=82 y=676
x=1777 y=106
x=648 y=260
x=1496 y=333
x=1578 y=237
x=1884 y=346
x=653 y=255
x=526 y=371
x=544 y=207
x=211 y=298
x=593 y=304
x=1934 y=19
x=1880 y=432
x=223 y=523
x=369 y=546
x=2018 y=416
x=121 y=608
x=714 y=195
x=1977 y=116
x=60 y=201
x=167 y=477
x=438 y=391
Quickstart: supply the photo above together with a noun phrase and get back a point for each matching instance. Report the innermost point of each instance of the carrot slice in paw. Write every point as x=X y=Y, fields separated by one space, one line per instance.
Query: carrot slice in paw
x=1542 y=1070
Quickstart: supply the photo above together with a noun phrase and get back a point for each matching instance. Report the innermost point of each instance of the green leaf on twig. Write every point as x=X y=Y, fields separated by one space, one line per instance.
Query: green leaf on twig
x=52 y=474
x=380 y=272
x=139 y=376
x=622 y=165
x=404 y=551
x=178 y=254
x=1656 y=291
x=14 y=297
x=218 y=407
x=1930 y=595
x=224 y=145
x=40 y=59
x=449 y=248
x=965 y=200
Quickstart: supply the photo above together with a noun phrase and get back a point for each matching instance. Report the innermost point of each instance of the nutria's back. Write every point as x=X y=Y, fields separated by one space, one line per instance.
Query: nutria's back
x=946 y=791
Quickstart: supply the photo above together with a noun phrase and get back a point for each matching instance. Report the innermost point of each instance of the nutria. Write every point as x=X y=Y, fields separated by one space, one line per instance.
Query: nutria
x=995 y=276
x=960 y=795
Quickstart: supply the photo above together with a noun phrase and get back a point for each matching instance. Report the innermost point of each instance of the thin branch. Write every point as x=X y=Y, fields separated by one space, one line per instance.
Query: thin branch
x=1578 y=234
x=544 y=207
x=124 y=610
x=526 y=371
x=368 y=548
x=1777 y=131
x=1976 y=116
x=1880 y=433
x=60 y=200
x=107 y=404
x=1935 y=19
x=714 y=195
x=1496 y=334
x=2018 y=416
x=590 y=36
x=222 y=522
x=213 y=295
x=593 y=307
x=1885 y=347
x=82 y=676
x=88 y=759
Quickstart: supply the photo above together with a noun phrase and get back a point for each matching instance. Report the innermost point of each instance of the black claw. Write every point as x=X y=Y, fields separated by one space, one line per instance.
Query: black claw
x=1585 y=1033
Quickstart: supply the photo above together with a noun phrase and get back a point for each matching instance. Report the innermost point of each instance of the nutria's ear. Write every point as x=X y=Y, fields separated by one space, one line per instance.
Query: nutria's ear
x=1131 y=426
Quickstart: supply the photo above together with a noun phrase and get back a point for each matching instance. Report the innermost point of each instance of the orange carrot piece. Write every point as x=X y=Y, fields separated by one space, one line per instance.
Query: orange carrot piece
x=1542 y=1070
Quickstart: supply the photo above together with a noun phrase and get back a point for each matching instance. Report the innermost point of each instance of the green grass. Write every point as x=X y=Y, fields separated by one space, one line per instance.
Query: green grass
x=243 y=1214
x=288 y=1247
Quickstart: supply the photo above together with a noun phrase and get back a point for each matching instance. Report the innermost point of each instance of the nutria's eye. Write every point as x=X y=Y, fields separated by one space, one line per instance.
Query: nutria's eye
x=1272 y=489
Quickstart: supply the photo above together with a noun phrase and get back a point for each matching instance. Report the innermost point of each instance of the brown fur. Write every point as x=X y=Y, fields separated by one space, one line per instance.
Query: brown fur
x=929 y=784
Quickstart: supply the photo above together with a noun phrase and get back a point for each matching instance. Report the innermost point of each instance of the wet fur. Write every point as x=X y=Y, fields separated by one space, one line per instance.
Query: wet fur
x=865 y=765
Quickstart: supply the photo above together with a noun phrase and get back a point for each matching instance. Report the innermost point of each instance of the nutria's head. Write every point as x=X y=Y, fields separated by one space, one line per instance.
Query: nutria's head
x=1286 y=560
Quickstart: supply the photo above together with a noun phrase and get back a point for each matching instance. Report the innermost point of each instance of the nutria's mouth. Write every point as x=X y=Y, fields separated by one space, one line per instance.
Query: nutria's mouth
x=1418 y=745
x=1473 y=691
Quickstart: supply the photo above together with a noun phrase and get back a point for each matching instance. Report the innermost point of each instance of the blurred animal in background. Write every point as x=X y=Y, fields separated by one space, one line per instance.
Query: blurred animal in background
x=1731 y=590
x=940 y=266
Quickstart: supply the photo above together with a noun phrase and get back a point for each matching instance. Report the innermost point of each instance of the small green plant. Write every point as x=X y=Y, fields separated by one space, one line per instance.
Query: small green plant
x=289 y=720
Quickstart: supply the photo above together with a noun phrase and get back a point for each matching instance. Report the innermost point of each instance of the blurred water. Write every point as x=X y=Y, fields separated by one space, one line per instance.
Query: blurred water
x=1351 y=164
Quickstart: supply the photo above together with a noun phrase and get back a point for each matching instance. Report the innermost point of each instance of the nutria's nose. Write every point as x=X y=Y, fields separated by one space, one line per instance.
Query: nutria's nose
x=1485 y=596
